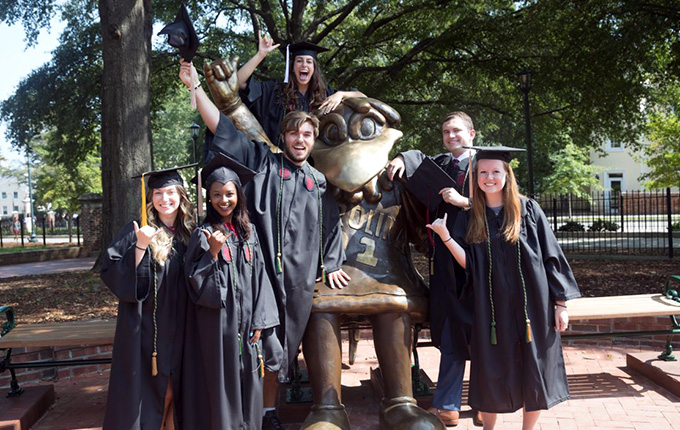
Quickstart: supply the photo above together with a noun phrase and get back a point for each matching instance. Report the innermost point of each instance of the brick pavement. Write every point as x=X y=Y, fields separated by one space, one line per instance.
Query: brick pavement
x=605 y=395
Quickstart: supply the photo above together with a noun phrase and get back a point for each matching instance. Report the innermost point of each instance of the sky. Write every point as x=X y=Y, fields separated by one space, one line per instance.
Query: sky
x=22 y=62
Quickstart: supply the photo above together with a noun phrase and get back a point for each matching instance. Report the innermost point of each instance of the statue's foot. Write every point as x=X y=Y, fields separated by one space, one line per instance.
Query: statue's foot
x=403 y=413
x=326 y=417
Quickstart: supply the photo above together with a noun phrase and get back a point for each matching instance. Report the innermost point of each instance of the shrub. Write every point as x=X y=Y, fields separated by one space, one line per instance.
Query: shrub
x=603 y=225
x=572 y=226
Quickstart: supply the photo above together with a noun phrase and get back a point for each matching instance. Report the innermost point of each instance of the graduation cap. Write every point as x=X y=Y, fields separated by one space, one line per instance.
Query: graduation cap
x=301 y=48
x=223 y=169
x=427 y=181
x=160 y=179
x=503 y=153
x=181 y=34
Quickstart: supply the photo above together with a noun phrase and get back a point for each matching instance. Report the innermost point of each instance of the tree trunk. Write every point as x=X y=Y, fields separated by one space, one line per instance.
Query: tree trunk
x=126 y=126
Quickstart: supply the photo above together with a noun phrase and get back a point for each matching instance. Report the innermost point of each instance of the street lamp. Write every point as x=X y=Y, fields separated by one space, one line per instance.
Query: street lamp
x=525 y=84
x=33 y=237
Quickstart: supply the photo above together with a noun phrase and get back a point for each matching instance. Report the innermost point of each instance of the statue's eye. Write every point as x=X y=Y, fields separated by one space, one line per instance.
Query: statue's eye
x=333 y=129
x=366 y=126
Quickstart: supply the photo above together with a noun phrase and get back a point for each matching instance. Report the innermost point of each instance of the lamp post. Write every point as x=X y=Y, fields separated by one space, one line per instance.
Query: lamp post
x=33 y=237
x=525 y=83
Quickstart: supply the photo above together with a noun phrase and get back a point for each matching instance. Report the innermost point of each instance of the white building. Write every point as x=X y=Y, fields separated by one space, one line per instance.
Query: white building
x=12 y=196
x=623 y=167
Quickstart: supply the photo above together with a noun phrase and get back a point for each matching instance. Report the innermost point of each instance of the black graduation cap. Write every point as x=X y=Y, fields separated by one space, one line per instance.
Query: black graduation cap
x=222 y=168
x=503 y=153
x=306 y=48
x=181 y=34
x=160 y=179
x=427 y=181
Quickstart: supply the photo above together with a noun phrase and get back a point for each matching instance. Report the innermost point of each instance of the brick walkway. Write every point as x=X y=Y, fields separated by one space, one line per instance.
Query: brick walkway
x=604 y=395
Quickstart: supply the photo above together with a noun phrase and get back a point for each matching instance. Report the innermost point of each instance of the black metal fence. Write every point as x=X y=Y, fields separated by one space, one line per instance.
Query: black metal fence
x=614 y=222
x=18 y=232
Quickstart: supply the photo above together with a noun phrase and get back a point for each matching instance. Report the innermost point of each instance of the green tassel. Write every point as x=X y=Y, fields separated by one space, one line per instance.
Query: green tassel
x=323 y=274
x=239 y=344
x=493 y=334
x=279 y=268
x=529 y=335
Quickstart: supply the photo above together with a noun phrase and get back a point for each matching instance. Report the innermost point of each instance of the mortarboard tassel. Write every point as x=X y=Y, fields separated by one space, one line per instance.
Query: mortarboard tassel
x=143 y=203
x=239 y=344
x=323 y=274
x=278 y=263
x=199 y=190
x=287 y=75
x=493 y=334
x=194 y=80
x=431 y=266
x=260 y=361
x=529 y=334
x=154 y=364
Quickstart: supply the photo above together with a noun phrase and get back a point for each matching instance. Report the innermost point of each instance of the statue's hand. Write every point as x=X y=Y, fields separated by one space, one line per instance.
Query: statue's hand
x=222 y=81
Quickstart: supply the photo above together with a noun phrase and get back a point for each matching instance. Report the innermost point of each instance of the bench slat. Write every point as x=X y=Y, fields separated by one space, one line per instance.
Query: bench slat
x=639 y=305
x=60 y=334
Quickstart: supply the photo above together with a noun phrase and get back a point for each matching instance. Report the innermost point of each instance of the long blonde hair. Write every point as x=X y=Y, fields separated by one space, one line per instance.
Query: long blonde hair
x=512 y=209
x=161 y=244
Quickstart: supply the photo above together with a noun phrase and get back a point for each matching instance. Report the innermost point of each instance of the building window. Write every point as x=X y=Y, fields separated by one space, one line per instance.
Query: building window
x=16 y=209
x=4 y=195
x=16 y=195
x=614 y=146
x=4 y=210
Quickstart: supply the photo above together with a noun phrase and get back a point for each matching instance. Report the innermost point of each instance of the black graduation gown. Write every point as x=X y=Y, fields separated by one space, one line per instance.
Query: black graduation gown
x=299 y=227
x=448 y=277
x=222 y=384
x=136 y=399
x=264 y=100
x=513 y=373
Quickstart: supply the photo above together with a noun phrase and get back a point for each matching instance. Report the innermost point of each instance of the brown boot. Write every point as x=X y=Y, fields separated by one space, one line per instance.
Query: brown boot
x=403 y=413
x=326 y=417
x=449 y=418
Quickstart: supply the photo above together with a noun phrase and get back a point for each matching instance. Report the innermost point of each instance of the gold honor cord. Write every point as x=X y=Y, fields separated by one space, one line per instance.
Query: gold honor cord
x=154 y=355
x=143 y=202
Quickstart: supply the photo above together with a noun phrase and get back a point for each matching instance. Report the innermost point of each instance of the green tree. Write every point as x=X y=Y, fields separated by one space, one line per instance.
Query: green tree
x=572 y=173
x=663 y=151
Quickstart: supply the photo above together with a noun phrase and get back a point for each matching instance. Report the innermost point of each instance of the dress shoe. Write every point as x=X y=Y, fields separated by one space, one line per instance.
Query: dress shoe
x=270 y=421
x=477 y=418
x=326 y=417
x=449 y=418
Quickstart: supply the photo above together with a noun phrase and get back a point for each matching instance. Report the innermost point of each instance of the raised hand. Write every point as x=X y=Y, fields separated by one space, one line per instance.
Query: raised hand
x=144 y=234
x=439 y=227
x=265 y=45
x=216 y=241
x=221 y=76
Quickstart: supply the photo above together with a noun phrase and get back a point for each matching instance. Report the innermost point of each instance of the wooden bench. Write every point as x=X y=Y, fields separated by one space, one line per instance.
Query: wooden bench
x=67 y=334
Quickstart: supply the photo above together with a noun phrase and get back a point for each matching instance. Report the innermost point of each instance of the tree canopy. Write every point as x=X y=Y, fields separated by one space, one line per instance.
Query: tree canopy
x=594 y=64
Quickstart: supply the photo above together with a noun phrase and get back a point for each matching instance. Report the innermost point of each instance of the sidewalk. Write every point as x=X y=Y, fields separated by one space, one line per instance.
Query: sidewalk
x=44 y=267
x=604 y=395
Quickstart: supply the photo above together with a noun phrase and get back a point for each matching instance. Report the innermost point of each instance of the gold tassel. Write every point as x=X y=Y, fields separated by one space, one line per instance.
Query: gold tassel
x=431 y=266
x=529 y=335
x=493 y=334
x=154 y=364
x=323 y=274
x=260 y=361
x=278 y=263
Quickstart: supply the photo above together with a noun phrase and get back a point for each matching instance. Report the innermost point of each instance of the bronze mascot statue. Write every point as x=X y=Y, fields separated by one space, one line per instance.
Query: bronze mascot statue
x=379 y=221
